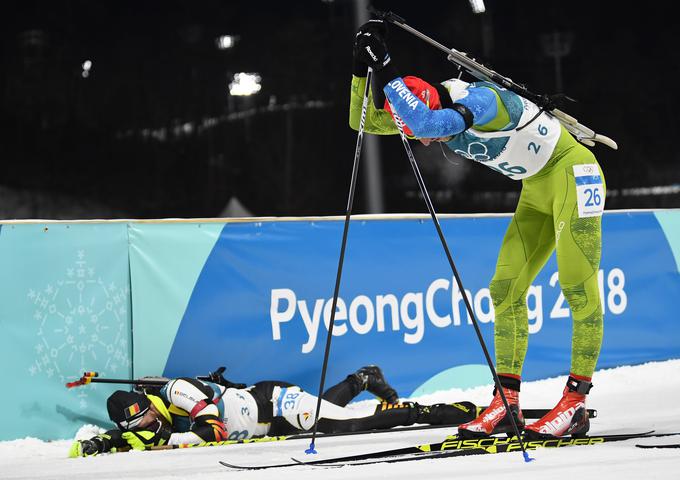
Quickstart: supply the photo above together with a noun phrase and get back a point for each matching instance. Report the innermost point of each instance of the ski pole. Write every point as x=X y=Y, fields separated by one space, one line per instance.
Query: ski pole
x=433 y=214
x=582 y=133
x=350 y=202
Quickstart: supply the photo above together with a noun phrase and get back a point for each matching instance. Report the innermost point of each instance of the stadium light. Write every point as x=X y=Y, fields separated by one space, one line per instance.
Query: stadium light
x=245 y=84
x=477 y=6
x=225 y=42
x=87 y=66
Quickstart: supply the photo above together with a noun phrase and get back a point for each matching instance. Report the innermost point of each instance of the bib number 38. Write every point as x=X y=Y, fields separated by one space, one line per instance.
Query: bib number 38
x=589 y=190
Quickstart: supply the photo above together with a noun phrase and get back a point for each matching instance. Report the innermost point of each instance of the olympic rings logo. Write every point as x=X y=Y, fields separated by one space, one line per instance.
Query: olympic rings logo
x=476 y=151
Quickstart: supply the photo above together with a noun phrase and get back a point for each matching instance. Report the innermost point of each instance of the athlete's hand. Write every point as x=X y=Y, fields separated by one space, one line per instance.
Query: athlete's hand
x=86 y=448
x=369 y=45
x=372 y=50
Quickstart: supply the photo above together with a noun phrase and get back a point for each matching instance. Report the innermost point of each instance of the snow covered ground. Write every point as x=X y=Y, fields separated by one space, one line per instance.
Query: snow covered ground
x=628 y=399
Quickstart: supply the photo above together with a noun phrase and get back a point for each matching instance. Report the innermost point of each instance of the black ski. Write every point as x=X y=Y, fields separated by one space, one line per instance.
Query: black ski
x=454 y=447
x=663 y=445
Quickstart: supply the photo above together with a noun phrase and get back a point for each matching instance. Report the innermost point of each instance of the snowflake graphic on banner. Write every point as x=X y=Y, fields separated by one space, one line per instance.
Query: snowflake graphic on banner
x=82 y=325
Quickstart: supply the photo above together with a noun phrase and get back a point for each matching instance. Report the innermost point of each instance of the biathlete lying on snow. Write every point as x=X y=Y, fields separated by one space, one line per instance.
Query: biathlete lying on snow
x=189 y=411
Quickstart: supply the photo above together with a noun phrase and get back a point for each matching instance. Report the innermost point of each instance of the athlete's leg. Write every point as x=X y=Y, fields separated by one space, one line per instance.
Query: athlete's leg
x=527 y=245
x=388 y=415
x=385 y=416
x=369 y=378
x=298 y=408
x=578 y=239
x=344 y=392
x=579 y=249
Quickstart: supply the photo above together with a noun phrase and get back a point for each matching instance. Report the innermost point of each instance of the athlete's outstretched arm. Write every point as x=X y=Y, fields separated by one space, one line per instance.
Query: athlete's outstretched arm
x=426 y=123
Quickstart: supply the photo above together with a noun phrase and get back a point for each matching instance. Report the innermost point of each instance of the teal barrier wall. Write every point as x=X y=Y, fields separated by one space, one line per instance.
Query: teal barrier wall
x=65 y=308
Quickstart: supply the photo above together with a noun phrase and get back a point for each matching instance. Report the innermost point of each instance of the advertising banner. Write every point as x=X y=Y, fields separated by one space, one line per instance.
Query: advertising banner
x=262 y=302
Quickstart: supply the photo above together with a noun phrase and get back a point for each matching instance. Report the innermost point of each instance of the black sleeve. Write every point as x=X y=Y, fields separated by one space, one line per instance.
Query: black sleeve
x=382 y=78
x=111 y=439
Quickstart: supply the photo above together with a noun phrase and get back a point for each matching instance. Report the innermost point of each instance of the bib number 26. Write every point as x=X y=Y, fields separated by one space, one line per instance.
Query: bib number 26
x=589 y=190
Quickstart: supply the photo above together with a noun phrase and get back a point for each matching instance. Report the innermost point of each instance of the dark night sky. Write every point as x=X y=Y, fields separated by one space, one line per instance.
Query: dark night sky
x=288 y=150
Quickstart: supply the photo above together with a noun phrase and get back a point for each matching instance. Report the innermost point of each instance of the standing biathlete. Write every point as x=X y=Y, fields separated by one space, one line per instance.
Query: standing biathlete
x=559 y=209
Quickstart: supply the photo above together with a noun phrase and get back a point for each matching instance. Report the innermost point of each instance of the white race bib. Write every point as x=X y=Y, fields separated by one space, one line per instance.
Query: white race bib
x=295 y=405
x=589 y=190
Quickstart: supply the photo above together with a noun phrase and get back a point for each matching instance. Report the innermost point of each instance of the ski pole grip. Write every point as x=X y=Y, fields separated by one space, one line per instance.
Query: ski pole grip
x=84 y=380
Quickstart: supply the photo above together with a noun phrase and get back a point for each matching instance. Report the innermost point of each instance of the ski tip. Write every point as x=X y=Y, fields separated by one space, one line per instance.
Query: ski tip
x=311 y=450
x=527 y=458
x=231 y=465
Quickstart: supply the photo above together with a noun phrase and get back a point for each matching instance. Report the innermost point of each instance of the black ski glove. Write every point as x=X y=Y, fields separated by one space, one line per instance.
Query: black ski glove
x=369 y=45
x=93 y=446
x=370 y=48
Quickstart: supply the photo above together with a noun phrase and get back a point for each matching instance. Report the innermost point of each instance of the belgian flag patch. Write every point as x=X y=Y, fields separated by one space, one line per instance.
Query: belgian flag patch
x=132 y=410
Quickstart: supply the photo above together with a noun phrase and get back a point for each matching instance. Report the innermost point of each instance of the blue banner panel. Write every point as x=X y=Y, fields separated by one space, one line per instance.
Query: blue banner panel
x=65 y=309
x=262 y=302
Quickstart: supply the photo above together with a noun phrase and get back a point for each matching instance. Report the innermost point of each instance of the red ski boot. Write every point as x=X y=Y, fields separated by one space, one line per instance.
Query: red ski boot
x=495 y=419
x=569 y=417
